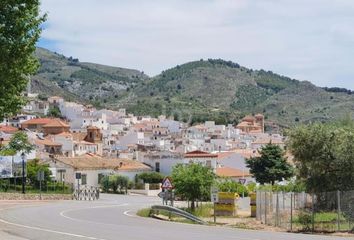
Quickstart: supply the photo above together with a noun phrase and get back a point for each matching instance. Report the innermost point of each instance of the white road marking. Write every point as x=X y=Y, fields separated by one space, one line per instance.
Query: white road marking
x=129 y=215
x=62 y=213
x=50 y=231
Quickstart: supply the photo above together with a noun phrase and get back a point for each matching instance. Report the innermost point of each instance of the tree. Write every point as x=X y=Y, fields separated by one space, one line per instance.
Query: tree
x=192 y=181
x=54 y=112
x=33 y=167
x=323 y=154
x=20 y=28
x=18 y=143
x=271 y=166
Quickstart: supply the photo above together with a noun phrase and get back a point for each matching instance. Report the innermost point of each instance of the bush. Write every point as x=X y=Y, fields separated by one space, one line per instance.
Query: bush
x=150 y=177
x=251 y=187
x=120 y=183
x=105 y=184
x=305 y=219
x=228 y=185
x=115 y=183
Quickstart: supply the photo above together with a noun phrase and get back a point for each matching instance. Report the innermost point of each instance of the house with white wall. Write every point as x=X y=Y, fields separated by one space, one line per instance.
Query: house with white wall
x=93 y=168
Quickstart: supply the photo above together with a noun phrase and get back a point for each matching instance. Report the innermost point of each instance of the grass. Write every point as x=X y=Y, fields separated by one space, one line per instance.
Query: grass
x=324 y=217
x=202 y=211
x=145 y=212
x=323 y=222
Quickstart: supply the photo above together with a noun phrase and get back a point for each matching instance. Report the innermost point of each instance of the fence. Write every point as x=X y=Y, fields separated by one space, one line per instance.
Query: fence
x=86 y=193
x=15 y=186
x=321 y=212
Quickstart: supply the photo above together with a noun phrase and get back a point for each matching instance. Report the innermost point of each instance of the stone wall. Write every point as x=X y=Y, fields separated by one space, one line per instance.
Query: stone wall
x=32 y=196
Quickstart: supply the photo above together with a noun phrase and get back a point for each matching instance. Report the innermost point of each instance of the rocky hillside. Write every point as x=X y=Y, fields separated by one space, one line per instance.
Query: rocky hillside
x=196 y=91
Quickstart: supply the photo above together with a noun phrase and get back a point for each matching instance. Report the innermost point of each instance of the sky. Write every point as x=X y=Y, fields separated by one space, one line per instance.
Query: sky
x=309 y=40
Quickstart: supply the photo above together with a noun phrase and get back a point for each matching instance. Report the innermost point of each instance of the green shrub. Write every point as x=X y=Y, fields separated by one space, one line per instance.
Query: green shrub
x=305 y=219
x=228 y=185
x=105 y=184
x=150 y=177
x=115 y=183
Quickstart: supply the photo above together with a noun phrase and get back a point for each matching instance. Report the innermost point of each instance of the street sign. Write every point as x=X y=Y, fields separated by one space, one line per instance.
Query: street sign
x=161 y=195
x=40 y=176
x=78 y=175
x=242 y=181
x=214 y=194
x=166 y=183
x=167 y=195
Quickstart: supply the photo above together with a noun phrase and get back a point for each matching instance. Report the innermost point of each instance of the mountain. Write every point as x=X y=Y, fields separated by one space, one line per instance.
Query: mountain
x=211 y=89
x=83 y=82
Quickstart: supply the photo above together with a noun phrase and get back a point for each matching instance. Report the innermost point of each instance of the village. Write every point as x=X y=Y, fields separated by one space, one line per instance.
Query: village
x=103 y=142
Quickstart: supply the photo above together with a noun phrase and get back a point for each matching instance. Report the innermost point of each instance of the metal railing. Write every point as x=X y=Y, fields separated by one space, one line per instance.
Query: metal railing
x=178 y=212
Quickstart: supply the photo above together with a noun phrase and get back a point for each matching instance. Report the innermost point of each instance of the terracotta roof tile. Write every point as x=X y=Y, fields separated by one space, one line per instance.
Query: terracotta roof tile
x=56 y=123
x=231 y=172
x=8 y=129
x=92 y=162
x=200 y=154
x=47 y=142
x=40 y=121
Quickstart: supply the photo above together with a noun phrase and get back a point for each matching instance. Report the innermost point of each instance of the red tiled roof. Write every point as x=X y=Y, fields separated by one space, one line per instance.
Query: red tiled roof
x=40 y=121
x=8 y=129
x=47 y=142
x=91 y=162
x=65 y=134
x=56 y=123
x=200 y=154
x=248 y=118
x=231 y=172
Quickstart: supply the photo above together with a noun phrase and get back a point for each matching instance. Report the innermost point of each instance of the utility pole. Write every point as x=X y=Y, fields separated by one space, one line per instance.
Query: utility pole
x=23 y=173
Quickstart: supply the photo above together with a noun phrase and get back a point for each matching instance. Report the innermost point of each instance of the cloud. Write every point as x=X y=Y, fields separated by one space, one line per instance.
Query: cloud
x=305 y=39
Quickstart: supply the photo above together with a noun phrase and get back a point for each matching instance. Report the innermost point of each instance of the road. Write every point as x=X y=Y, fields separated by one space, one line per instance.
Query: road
x=113 y=217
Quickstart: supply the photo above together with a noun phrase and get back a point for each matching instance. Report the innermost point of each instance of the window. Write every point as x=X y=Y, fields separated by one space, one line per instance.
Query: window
x=83 y=179
x=157 y=167
x=100 y=176
x=208 y=163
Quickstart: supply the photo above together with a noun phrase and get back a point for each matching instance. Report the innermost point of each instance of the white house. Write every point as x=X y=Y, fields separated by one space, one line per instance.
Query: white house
x=93 y=168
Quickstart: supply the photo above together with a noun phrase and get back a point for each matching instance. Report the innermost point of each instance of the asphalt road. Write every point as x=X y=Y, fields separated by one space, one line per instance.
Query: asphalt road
x=113 y=217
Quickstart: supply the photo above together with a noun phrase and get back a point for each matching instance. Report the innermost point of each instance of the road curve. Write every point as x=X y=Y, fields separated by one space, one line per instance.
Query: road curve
x=113 y=217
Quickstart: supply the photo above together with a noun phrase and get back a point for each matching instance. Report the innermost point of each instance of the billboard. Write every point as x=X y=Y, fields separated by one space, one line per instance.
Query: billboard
x=11 y=166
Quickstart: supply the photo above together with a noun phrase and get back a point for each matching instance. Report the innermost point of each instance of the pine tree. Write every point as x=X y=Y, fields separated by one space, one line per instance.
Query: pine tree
x=271 y=166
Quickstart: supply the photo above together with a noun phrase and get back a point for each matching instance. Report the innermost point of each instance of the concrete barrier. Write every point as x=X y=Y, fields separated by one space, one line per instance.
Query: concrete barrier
x=146 y=191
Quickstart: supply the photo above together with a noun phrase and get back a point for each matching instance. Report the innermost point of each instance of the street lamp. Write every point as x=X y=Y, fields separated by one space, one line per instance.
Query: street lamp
x=23 y=155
